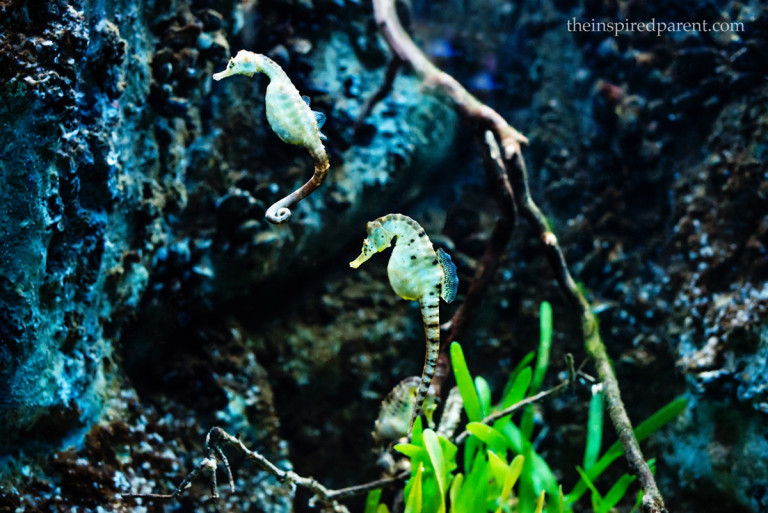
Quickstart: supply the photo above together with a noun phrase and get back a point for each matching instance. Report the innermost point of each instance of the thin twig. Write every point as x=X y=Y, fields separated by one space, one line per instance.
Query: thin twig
x=342 y=493
x=522 y=404
x=163 y=496
x=493 y=417
x=510 y=140
x=217 y=438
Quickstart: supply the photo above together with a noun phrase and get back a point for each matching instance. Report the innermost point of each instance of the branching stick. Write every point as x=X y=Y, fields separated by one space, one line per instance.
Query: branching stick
x=509 y=139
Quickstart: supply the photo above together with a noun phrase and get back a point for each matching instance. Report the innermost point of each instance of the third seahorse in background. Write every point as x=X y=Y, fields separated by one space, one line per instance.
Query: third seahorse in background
x=291 y=119
x=416 y=272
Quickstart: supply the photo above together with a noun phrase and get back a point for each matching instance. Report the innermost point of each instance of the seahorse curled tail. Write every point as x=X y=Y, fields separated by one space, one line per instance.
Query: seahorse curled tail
x=291 y=119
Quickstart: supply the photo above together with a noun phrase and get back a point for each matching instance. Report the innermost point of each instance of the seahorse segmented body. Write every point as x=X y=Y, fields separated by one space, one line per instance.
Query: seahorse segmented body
x=416 y=272
x=291 y=119
x=396 y=410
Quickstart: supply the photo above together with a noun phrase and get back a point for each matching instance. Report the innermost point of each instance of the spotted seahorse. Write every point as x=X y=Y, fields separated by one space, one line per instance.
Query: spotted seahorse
x=291 y=119
x=416 y=272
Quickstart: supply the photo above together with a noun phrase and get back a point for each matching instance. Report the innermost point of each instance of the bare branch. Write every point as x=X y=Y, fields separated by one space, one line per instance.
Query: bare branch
x=466 y=104
x=652 y=500
x=217 y=438
x=510 y=140
x=373 y=485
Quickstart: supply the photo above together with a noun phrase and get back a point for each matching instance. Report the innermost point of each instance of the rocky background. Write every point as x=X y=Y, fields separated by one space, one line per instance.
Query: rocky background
x=144 y=298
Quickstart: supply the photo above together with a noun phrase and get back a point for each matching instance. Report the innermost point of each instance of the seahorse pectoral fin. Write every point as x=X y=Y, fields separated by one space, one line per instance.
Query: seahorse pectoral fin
x=450 y=278
x=306 y=99
x=319 y=119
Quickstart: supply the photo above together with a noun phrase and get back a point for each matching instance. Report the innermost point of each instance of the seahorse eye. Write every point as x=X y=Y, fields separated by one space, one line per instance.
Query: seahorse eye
x=231 y=63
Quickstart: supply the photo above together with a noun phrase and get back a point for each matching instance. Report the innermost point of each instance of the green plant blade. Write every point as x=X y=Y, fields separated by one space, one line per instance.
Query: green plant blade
x=561 y=501
x=412 y=451
x=528 y=484
x=597 y=499
x=483 y=395
x=453 y=493
x=435 y=451
x=594 y=429
x=540 y=503
x=495 y=441
x=513 y=473
x=449 y=455
x=471 y=447
x=616 y=493
x=518 y=389
x=413 y=498
x=528 y=358
x=474 y=490
x=499 y=471
x=540 y=369
x=515 y=394
x=543 y=476
x=465 y=384
x=643 y=431
x=372 y=501
x=416 y=431
x=545 y=344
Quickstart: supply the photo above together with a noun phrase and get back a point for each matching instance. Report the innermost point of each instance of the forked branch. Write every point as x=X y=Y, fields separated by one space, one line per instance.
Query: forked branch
x=510 y=140
x=217 y=439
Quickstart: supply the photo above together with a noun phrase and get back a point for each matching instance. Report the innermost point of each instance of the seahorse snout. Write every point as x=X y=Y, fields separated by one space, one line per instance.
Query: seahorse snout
x=357 y=262
x=364 y=255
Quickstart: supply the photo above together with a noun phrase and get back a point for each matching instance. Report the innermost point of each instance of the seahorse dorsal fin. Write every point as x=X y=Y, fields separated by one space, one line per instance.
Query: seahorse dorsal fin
x=306 y=99
x=450 y=278
x=322 y=136
x=319 y=118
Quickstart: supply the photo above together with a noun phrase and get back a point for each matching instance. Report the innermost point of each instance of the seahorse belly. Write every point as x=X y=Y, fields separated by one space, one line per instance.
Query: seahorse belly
x=288 y=115
x=413 y=268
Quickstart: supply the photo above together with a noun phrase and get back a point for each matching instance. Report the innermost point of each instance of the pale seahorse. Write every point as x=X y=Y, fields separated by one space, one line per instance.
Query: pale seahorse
x=396 y=411
x=416 y=272
x=291 y=119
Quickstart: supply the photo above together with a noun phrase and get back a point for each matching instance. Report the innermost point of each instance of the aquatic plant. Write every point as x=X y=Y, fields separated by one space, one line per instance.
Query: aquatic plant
x=417 y=273
x=499 y=454
x=291 y=119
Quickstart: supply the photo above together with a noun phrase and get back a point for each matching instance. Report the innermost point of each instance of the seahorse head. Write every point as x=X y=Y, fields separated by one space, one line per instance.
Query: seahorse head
x=378 y=240
x=244 y=63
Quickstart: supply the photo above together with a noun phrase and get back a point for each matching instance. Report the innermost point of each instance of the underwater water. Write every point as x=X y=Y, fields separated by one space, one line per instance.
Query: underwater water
x=567 y=178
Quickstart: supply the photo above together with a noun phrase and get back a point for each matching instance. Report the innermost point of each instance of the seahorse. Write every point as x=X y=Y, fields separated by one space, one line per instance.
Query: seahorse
x=416 y=272
x=396 y=408
x=291 y=119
